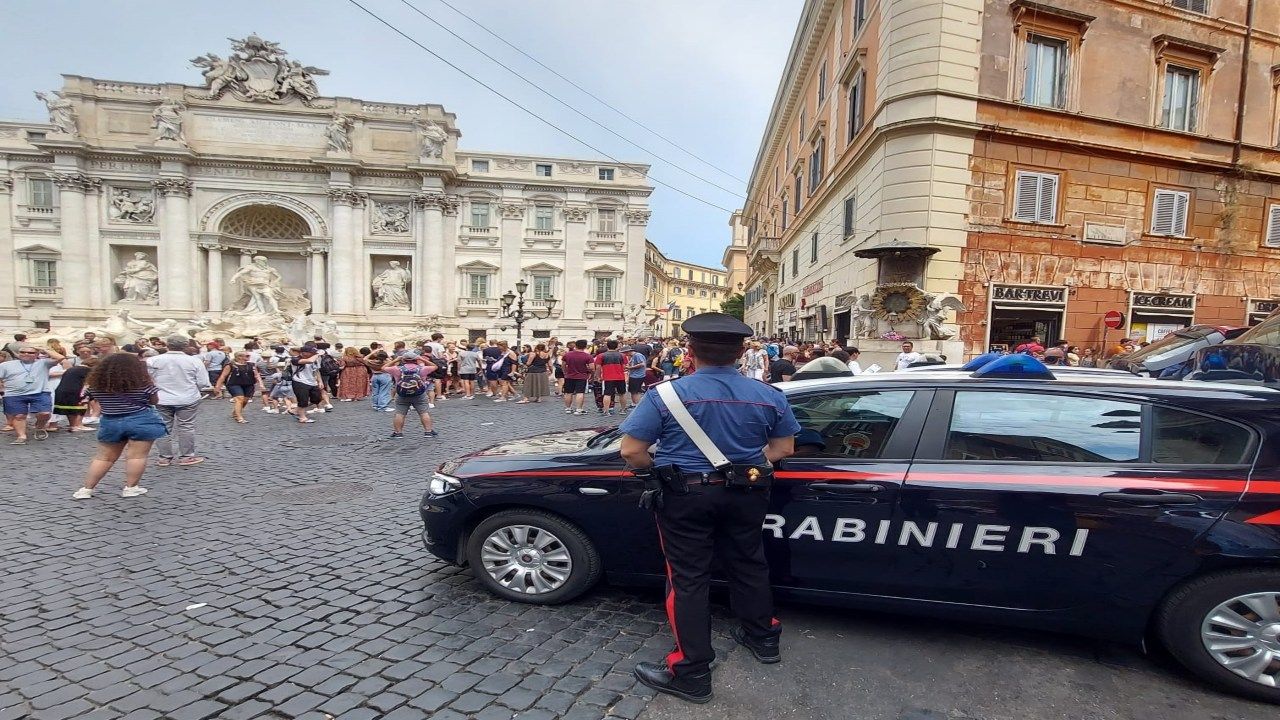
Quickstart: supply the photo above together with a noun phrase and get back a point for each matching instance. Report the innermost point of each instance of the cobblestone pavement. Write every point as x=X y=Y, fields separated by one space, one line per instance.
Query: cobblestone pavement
x=285 y=578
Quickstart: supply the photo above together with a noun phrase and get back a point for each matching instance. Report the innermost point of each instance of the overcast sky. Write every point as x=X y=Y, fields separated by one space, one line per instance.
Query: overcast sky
x=702 y=73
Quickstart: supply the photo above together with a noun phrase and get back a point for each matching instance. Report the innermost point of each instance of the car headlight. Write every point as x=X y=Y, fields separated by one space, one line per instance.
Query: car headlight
x=442 y=484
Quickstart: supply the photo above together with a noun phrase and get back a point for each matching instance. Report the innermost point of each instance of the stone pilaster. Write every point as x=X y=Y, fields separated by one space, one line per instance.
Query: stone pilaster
x=633 y=293
x=318 y=280
x=575 y=266
x=8 y=261
x=75 y=268
x=175 y=239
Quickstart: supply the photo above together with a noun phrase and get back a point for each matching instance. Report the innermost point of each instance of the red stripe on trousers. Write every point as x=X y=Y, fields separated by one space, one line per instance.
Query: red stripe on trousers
x=676 y=655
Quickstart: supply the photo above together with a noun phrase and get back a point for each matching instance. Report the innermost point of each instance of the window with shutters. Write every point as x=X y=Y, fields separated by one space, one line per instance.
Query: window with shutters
x=822 y=83
x=44 y=273
x=1047 y=43
x=813 y=248
x=784 y=214
x=1169 y=212
x=608 y=220
x=815 y=164
x=1045 y=74
x=544 y=217
x=795 y=262
x=1035 y=197
x=857 y=104
x=850 y=210
x=40 y=192
x=478 y=285
x=859 y=14
x=604 y=289
x=542 y=287
x=1196 y=6
x=480 y=214
x=1272 y=237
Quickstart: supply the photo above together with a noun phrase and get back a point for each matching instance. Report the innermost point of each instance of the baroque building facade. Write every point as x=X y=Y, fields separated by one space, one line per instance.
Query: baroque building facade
x=149 y=203
x=676 y=290
x=970 y=173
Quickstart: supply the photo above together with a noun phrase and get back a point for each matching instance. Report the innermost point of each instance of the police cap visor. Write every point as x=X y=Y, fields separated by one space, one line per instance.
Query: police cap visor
x=714 y=327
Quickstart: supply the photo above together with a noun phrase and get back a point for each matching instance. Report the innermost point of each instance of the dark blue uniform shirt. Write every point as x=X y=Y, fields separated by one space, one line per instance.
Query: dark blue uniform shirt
x=738 y=413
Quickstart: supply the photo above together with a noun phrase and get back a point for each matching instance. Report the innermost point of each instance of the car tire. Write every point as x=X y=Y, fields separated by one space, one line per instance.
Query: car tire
x=555 y=563
x=1183 y=618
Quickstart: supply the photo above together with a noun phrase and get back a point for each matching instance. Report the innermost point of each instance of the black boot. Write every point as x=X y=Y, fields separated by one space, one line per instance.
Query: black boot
x=766 y=650
x=694 y=688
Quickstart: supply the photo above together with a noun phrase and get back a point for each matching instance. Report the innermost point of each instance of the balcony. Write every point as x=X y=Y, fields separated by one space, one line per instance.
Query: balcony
x=483 y=235
x=29 y=295
x=477 y=306
x=27 y=213
x=763 y=254
x=546 y=238
x=603 y=308
x=605 y=239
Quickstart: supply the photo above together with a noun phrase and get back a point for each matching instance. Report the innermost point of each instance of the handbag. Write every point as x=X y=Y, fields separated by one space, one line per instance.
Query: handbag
x=737 y=475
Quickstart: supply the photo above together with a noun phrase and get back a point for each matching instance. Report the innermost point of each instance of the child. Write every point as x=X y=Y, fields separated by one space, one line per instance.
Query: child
x=121 y=387
x=281 y=397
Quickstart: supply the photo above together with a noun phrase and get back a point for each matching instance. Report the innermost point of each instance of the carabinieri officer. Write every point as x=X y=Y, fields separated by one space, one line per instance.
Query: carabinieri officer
x=699 y=505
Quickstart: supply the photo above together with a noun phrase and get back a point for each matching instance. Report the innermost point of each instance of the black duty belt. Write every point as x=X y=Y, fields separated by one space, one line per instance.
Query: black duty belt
x=714 y=477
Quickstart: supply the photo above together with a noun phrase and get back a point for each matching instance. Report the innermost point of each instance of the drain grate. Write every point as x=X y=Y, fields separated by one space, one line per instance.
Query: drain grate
x=326 y=441
x=318 y=493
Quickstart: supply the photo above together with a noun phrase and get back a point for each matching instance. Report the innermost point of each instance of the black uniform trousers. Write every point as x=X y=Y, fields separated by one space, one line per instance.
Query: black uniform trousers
x=694 y=528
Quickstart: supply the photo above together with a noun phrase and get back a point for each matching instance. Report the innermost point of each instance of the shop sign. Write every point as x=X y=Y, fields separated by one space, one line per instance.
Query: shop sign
x=787 y=301
x=812 y=288
x=843 y=301
x=1030 y=294
x=1163 y=302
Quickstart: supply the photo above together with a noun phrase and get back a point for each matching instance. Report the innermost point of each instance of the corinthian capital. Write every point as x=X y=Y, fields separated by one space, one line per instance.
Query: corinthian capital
x=449 y=204
x=342 y=196
x=176 y=187
x=6 y=184
x=637 y=217
x=75 y=181
x=431 y=200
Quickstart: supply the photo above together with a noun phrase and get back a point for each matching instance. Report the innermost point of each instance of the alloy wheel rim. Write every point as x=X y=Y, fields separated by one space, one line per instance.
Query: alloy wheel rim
x=1243 y=635
x=526 y=559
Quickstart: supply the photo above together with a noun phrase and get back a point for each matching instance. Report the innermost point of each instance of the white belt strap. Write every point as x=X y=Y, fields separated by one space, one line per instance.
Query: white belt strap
x=691 y=426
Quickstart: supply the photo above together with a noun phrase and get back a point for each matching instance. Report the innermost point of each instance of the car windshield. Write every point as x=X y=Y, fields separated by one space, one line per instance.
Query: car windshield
x=1265 y=333
x=1172 y=341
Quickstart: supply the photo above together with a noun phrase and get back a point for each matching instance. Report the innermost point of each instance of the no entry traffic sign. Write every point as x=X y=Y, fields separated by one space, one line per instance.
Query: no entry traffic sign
x=1113 y=319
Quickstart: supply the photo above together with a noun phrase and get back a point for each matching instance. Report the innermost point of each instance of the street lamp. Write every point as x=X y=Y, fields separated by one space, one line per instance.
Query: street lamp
x=513 y=307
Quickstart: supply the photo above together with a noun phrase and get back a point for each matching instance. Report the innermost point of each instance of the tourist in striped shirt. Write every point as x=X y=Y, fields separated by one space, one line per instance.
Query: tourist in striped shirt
x=121 y=387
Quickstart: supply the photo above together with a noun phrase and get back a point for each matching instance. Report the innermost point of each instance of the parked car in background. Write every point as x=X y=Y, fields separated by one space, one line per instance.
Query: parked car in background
x=1252 y=357
x=1164 y=356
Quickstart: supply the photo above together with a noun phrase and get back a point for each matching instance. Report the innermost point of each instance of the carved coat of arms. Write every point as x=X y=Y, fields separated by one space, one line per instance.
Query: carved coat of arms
x=258 y=71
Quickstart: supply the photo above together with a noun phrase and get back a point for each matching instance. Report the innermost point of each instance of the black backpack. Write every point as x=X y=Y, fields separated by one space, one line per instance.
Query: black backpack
x=613 y=357
x=329 y=364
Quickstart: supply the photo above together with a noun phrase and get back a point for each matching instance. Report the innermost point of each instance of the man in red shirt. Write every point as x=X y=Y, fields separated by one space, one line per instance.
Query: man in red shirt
x=613 y=374
x=577 y=366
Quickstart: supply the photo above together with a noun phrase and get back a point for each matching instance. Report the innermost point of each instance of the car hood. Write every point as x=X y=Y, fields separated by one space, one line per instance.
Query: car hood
x=558 y=443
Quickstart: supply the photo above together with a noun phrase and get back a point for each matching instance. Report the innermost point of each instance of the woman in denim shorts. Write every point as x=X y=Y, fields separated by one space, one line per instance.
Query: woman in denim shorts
x=122 y=388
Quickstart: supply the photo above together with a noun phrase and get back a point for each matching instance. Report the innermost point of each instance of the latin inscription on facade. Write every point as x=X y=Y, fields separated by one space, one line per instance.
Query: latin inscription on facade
x=260 y=131
x=121 y=166
x=1026 y=294
x=1164 y=302
x=258 y=174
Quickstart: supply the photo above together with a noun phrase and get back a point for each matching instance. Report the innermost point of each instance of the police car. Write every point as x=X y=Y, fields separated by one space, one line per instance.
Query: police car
x=1117 y=507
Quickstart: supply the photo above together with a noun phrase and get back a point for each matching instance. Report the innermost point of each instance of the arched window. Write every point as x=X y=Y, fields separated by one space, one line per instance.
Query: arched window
x=270 y=222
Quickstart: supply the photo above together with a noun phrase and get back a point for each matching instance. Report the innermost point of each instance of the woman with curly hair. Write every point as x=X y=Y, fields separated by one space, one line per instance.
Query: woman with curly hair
x=121 y=387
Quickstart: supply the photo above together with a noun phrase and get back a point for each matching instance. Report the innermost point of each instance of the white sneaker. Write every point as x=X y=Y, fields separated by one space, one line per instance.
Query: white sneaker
x=328 y=407
x=83 y=493
x=431 y=406
x=91 y=421
x=568 y=411
x=272 y=411
x=388 y=409
x=134 y=491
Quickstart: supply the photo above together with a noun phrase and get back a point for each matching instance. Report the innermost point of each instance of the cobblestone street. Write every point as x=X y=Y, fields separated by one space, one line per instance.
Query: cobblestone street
x=285 y=578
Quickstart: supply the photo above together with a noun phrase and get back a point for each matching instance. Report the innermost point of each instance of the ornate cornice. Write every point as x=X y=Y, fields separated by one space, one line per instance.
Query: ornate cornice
x=343 y=196
x=75 y=181
x=175 y=187
x=575 y=214
x=432 y=200
x=637 y=217
x=511 y=211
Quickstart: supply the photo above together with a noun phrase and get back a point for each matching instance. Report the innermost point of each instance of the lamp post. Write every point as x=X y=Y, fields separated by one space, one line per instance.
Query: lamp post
x=513 y=307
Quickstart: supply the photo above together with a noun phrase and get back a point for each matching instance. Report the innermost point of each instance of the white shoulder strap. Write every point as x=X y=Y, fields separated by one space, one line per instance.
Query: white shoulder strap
x=691 y=426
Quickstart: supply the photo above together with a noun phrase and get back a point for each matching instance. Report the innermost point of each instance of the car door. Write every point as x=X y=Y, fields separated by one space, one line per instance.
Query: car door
x=1047 y=500
x=834 y=497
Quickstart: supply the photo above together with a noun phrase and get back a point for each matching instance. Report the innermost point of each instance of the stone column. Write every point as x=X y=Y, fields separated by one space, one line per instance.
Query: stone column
x=213 y=262
x=344 y=250
x=175 y=240
x=318 y=278
x=449 y=263
x=417 y=297
x=433 y=249
x=246 y=256
x=574 y=302
x=8 y=262
x=74 y=268
x=99 y=266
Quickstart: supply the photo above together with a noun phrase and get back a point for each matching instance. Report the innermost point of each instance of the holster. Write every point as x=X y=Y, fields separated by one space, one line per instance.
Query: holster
x=672 y=479
x=748 y=477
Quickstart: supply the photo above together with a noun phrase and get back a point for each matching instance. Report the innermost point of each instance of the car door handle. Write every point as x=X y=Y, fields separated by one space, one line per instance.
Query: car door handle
x=851 y=488
x=593 y=491
x=1152 y=497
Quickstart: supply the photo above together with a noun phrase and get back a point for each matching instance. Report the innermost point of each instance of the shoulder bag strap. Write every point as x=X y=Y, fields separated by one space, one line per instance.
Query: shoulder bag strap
x=691 y=426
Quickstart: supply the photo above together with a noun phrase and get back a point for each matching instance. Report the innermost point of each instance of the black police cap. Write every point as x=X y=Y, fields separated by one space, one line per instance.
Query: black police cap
x=714 y=327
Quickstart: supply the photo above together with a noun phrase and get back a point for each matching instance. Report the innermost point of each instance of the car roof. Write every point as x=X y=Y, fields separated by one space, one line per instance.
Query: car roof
x=1057 y=369
x=1090 y=381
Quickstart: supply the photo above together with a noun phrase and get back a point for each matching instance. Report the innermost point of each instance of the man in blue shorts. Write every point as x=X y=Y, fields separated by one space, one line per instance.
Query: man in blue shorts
x=26 y=390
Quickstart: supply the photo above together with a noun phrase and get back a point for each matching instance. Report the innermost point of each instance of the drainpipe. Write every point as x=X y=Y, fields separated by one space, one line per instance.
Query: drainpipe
x=1244 y=86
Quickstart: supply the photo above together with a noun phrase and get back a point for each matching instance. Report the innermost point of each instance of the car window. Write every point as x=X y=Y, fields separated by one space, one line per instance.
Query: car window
x=1189 y=439
x=848 y=424
x=1036 y=427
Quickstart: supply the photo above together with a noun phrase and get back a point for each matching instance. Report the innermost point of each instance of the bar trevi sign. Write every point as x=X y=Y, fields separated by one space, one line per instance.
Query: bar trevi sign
x=1029 y=294
x=1164 y=302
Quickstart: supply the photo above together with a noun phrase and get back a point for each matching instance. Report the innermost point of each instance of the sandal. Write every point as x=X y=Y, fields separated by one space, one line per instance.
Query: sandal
x=41 y=434
x=18 y=441
x=242 y=421
x=306 y=420
x=164 y=462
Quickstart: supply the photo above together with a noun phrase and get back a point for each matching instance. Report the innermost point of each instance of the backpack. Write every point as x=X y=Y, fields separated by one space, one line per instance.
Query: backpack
x=411 y=384
x=329 y=365
x=612 y=357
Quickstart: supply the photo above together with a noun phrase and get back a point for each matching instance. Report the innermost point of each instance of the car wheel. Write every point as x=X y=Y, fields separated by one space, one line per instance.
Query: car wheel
x=532 y=556
x=1225 y=628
